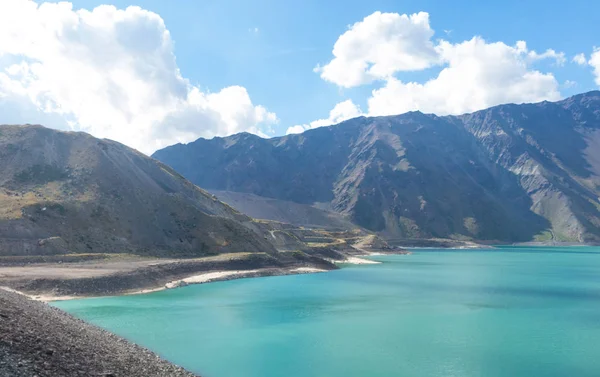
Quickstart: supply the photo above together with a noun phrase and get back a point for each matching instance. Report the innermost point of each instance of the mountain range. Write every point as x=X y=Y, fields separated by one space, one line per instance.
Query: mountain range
x=509 y=173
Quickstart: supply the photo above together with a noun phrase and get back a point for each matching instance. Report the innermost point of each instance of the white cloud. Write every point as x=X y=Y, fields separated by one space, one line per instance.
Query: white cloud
x=341 y=112
x=478 y=75
x=474 y=74
x=379 y=46
x=595 y=63
x=297 y=129
x=112 y=73
x=559 y=57
x=580 y=59
x=569 y=84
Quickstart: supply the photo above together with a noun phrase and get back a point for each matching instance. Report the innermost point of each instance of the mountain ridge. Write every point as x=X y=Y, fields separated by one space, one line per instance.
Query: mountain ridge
x=509 y=173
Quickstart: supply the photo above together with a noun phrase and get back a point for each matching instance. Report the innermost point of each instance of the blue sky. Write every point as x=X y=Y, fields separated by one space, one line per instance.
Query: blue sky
x=271 y=48
x=215 y=47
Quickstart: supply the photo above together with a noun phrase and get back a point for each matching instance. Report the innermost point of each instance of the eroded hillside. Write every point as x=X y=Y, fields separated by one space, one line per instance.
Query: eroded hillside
x=506 y=174
x=72 y=193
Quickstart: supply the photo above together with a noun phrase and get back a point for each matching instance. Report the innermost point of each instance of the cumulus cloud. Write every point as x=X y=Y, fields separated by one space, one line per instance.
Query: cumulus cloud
x=474 y=74
x=111 y=72
x=558 y=57
x=379 y=46
x=595 y=63
x=580 y=59
x=341 y=112
x=478 y=75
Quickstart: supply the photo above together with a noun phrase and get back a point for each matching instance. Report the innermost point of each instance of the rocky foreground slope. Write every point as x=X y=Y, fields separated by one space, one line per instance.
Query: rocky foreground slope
x=39 y=340
x=509 y=173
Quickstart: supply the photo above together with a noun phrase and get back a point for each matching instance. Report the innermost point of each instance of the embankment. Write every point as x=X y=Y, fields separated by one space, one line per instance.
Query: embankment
x=39 y=340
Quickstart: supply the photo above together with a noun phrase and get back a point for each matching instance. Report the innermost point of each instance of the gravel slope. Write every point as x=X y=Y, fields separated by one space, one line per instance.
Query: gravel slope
x=39 y=340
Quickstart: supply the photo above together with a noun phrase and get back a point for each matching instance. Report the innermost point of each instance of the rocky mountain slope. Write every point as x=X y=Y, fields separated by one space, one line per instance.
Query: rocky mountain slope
x=509 y=173
x=64 y=193
x=260 y=207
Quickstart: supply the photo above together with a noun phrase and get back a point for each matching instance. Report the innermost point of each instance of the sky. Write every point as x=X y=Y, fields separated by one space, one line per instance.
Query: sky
x=154 y=73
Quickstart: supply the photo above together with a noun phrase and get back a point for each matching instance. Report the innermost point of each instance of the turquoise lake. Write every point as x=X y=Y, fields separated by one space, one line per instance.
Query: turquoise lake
x=507 y=312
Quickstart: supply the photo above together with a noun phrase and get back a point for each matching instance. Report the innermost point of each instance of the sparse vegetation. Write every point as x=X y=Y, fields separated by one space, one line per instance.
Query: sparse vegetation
x=544 y=236
x=100 y=202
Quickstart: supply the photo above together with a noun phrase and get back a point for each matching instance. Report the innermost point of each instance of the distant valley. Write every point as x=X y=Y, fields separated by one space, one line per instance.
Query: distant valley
x=260 y=207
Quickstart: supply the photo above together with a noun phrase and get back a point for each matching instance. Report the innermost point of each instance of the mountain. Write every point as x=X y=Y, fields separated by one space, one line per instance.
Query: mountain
x=505 y=174
x=65 y=192
x=283 y=211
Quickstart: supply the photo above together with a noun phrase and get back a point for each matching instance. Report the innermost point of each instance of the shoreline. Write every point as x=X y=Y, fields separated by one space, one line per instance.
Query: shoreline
x=204 y=278
x=356 y=260
x=49 y=283
x=117 y=277
x=37 y=339
x=54 y=323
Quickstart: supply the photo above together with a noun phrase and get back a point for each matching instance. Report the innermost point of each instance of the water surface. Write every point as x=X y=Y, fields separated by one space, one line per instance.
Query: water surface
x=511 y=312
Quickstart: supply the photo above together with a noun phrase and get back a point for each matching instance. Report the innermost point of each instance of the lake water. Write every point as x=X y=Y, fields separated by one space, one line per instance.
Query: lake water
x=511 y=312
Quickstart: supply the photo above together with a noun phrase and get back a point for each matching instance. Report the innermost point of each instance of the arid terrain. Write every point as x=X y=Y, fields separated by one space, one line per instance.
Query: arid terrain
x=510 y=173
x=68 y=276
x=128 y=274
x=80 y=216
